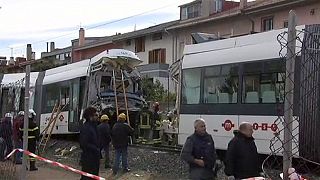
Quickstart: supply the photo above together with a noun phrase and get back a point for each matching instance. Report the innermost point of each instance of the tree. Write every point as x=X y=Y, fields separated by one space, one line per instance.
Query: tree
x=154 y=91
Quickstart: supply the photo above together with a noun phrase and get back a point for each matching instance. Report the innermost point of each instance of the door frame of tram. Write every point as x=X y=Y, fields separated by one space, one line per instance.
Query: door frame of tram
x=76 y=90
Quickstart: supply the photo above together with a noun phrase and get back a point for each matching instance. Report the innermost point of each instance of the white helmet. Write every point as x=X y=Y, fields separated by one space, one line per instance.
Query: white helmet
x=8 y=115
x=21 y=113
x=32 y=113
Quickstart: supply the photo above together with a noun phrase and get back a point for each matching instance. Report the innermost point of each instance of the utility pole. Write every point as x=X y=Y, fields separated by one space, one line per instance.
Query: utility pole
x=26 y=113
x=288 y=104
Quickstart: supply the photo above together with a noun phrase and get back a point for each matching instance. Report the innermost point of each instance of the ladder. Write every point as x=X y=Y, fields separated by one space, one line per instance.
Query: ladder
x=46 y=133
x=124 y=94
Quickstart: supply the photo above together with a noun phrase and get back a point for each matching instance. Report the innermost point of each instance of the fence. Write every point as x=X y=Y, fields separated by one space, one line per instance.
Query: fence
x=305 y=106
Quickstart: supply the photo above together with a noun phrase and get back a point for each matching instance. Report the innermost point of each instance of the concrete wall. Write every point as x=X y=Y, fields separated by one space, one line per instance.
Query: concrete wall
x=242 y=24
x=165 y=42
x=225 y=28
x=79 y=55
x=304 y=16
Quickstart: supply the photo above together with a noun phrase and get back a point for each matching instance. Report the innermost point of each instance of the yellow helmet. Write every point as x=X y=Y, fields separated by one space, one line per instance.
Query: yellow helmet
x=122 y=117
x=104 y=118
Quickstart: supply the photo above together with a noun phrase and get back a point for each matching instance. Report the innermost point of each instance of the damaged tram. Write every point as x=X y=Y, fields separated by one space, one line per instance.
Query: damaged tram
x=108 y=81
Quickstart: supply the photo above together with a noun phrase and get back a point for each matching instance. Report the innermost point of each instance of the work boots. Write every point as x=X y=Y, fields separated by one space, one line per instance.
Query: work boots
x=33 y=166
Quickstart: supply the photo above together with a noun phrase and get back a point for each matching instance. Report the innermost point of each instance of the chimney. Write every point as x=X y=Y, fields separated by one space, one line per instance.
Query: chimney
x=243 y=3
x=81 y=37
x=29 y=52
x=47 y=46
x=52 y=48
x=33 y=55
x=11 y=61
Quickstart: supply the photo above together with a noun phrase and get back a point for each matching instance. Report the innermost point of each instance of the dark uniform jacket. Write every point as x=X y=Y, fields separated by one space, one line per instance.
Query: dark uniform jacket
x=16 y=128
x=5 y=128
x=33 y=135
x=242 y=160
x=200 y=147
x=120 y=134
x=89 y=143
x=104 y=134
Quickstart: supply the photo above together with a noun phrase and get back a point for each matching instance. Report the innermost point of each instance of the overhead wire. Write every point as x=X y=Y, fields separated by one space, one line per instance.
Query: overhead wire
x=92 y=27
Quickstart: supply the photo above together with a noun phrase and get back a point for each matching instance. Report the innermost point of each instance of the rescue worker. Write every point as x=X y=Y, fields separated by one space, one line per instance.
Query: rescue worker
x=242 y=159
x=6 y=132
x=105 y=138
x=199 y=152
x=33 y=137
x=89 y=143
x=120 y=134
x=154 y=119
x=16 y=136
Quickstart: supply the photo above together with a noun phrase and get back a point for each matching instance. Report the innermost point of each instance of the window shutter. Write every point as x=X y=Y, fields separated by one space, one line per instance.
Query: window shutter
x=135 y=45
x=150 y=57
x=183 y=14
x=143 y=44
x=163 y=56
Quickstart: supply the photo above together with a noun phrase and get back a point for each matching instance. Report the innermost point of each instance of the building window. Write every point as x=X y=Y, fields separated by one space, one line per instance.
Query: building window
x=267 y=24
x=157 y=56
x=191 y=11
x=285 y=24
x=140 y=44
x=156 y=36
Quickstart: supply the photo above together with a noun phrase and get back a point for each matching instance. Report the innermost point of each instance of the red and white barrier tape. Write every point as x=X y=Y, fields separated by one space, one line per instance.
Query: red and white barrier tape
x=56 y=164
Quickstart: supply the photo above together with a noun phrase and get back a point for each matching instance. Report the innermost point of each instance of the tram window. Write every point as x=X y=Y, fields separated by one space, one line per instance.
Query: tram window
x=64 y=97
x=51 y=96
x=105 y=84
x=251 y=86
x=191 y=86
x=280 y=87
x=221 y=84
x=263 y=88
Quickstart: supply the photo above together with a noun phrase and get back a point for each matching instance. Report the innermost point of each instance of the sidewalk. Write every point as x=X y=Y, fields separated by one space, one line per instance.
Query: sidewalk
x=54 y=173
x=46 y=173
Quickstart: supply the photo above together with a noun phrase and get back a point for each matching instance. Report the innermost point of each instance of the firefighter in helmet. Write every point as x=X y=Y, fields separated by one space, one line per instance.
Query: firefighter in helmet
x=33 y=137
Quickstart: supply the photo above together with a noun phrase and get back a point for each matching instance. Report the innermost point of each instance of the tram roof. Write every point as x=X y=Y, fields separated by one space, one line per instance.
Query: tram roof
x=80 y=69
x=16 y=79
x=116 y=54
x=254 y=47
x=67 y=72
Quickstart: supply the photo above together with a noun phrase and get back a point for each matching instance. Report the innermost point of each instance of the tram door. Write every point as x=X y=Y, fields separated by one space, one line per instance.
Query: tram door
x=74 y=123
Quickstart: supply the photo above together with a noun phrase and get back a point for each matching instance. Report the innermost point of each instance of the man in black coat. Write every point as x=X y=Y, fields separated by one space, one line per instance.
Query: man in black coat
x=120 y=138
x=6 y=132
x=242 y=159
x=105 y=138
x=199 y=152
x=89 y=143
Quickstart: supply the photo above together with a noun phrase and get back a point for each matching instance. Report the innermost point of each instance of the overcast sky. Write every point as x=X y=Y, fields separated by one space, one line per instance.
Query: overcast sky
x=40 y=21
